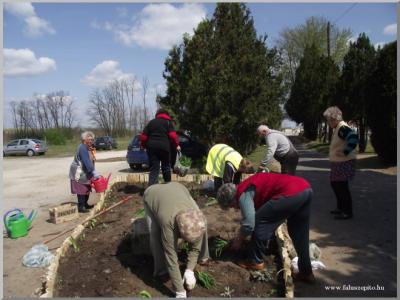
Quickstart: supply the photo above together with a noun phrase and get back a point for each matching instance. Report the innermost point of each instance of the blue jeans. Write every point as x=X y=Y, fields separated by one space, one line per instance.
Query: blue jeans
x=296 y=209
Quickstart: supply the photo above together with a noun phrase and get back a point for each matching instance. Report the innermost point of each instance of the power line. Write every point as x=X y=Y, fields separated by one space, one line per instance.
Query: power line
x=347 y=10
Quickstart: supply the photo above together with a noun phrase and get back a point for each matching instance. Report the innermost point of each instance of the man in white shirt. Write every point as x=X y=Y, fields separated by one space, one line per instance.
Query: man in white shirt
x=280 y=148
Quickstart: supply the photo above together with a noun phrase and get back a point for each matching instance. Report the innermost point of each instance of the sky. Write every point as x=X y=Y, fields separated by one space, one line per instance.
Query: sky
x=78 y=47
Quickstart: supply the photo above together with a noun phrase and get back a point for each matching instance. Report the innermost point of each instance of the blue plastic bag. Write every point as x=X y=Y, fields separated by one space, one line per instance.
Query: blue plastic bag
x=37 y=257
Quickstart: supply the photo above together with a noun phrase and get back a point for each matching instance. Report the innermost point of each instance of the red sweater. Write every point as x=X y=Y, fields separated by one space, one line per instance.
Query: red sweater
x=272 y=186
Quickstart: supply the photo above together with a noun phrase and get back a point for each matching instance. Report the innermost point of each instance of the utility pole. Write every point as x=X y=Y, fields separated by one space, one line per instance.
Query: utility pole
x=328 y=31
x=328 y=131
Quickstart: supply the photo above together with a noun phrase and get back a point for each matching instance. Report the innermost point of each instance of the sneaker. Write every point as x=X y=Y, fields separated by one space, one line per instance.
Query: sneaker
x=336 y=212
x=343 y=216
x=252 y=265
x=304 y=278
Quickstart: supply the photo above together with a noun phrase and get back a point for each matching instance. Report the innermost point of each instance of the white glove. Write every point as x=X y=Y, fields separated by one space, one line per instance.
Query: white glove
x=189 y=279
x=180 y=294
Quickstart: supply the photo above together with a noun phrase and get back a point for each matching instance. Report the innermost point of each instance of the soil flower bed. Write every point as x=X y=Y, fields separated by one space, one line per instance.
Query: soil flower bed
x=102 y=261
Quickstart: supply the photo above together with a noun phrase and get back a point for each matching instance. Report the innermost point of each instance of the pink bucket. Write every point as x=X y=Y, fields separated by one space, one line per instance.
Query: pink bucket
x=101 y=184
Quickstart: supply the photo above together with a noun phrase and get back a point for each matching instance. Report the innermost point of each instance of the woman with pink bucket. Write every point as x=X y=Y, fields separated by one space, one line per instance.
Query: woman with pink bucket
x=82 y=172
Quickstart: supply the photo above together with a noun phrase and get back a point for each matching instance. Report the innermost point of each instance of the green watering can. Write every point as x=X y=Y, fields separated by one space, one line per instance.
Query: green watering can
x=17 y=224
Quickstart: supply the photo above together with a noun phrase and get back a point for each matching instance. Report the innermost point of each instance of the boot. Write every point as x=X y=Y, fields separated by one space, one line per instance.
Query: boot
x=87 y=206
x=81 y=204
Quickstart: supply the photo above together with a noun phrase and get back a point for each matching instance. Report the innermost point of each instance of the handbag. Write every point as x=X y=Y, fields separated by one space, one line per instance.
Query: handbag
x=80 y=175
x=180 y=169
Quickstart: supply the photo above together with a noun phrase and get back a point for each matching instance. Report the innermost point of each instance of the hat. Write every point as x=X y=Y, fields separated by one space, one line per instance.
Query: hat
x=225 y=194
x=191 y=224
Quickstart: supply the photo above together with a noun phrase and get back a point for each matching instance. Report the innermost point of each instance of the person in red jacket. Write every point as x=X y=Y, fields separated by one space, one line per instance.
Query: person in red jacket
x=157 y=137
x=266 y=200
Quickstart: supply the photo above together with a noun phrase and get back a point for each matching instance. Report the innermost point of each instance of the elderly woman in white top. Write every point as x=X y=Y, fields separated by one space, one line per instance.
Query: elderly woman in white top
x=342 y=158
x=280 y=148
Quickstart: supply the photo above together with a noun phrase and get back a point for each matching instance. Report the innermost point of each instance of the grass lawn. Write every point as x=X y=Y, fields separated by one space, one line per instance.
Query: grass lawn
x=258 y=154
x=367 y=160
x=70 y=147
x=321 y=147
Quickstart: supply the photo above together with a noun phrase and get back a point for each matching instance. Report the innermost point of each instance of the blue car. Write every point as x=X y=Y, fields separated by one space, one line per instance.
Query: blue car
x=137 y=158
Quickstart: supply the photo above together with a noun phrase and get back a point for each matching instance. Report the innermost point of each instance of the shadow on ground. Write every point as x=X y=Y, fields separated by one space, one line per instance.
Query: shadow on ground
x=360 y=253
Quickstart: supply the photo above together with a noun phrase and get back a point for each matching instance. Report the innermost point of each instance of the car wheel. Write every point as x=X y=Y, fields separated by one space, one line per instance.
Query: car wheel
x=4 y=154
x=41 y=153
x=132 y=166
x=30 y=153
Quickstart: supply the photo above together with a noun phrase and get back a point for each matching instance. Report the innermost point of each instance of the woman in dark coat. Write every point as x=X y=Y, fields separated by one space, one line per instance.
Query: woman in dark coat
x=157 y=137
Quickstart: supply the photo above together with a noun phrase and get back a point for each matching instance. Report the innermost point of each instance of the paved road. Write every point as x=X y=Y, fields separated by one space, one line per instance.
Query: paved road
x=359 y=253
x=40 y=183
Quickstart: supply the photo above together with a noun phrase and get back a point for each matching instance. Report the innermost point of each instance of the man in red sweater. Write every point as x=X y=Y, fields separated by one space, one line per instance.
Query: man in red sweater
x=266 y=200
x=157 y=137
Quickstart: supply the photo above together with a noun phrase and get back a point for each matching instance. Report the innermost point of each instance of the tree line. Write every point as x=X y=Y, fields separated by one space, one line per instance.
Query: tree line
x=117 y=109
x=120 y=108
x=363 y=87
x=225 y=79
x=54 y=110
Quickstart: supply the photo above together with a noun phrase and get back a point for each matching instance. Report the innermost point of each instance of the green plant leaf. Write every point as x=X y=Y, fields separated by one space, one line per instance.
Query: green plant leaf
x=144 y=294
x=140 y=213
x=74 y=244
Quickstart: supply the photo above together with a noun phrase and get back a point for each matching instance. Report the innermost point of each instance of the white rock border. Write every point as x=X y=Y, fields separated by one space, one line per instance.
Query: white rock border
x=284 y=242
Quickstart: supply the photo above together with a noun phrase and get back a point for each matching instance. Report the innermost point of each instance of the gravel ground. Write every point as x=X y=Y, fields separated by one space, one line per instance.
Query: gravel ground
x=40 y=183
x=359 y=253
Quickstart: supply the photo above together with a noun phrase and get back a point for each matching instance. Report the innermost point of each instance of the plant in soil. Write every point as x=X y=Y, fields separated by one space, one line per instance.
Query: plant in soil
x=114 y=259
x=205 y=279
x=227 y=292
x=144 y=294
x=92 y=223
x=140 y=213
x=74 y=244
x=263 y=275
x=219 y=246
x=211 y=201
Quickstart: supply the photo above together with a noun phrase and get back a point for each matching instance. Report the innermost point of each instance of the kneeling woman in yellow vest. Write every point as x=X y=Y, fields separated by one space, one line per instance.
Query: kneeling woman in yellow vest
x=226 y=165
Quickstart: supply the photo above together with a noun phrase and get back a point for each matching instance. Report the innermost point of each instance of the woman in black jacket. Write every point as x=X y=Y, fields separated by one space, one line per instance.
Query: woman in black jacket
x=157 y=137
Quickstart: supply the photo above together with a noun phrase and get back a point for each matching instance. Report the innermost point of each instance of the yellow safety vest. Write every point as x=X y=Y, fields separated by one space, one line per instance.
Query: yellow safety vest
x=218 y=155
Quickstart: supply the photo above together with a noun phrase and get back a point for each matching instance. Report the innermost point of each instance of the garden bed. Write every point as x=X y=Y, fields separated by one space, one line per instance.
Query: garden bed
x=102 y=263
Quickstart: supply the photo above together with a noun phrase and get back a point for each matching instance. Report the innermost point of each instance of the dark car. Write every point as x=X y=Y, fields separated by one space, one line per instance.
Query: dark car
x=138 y=158
x=105 y=143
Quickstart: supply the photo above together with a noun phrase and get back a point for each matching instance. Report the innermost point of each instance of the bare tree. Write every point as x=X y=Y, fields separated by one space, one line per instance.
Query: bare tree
x=34 y=116
x=114 y=110
x=145 y=85
x=13 y=107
